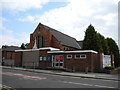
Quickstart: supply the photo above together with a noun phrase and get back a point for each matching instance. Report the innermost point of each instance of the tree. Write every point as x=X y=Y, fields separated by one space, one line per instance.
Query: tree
x=26 y=45
x=104 y=44
x=113 y=48
x=22 y=46
x=91 y=40
x=96 y=41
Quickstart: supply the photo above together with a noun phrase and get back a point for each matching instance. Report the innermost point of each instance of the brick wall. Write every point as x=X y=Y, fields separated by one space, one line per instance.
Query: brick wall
x=55 y=43
x=18 y=58
x=50 y=40
x=44 y=64
x=112 y=60
x=93 y=61
x=41 y=31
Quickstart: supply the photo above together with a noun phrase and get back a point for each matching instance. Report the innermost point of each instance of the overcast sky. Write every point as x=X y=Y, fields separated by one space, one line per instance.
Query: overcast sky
x=19 y=18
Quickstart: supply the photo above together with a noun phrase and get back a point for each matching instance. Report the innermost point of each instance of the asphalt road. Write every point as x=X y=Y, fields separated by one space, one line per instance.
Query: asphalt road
x=24 y=79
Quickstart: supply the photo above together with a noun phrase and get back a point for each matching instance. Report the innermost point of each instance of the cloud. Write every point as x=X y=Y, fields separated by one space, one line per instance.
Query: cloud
x=29 y=18
x=74 y=18
x=9 y=37
x=22 y=5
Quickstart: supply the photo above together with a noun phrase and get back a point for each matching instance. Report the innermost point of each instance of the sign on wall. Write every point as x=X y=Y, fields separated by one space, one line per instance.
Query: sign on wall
x=106 y=60
x=45 y=58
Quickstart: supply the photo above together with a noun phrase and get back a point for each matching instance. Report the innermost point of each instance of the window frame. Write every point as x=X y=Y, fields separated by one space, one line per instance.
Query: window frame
x=69 y=57
x=83 y=57
x=80 y=56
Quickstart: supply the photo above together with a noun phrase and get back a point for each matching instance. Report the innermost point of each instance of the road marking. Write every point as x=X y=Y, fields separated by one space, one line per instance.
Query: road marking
x=24 y=76
x=88 y=84
x=104 y=86
x=6 y=87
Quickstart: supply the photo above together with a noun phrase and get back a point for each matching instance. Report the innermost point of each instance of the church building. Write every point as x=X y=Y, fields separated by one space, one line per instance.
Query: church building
x=44 y=36
x=52 y=49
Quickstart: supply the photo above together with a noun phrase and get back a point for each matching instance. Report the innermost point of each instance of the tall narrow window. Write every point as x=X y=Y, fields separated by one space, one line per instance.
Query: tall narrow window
x=38 y=42
x=43 y=41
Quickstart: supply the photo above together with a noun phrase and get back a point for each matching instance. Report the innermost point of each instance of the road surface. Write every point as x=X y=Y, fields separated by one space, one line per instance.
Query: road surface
x=25 y=79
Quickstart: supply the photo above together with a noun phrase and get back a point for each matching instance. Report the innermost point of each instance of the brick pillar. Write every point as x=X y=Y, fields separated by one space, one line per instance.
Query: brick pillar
x=112 y=60
x=31 y=41
x=100 y=62
x=18 y=59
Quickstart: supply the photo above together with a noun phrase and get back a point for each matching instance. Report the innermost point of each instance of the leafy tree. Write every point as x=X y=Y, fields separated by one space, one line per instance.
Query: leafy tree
x=96 y=41
x=91 y=40
x=113 y=48
x=26 y=45
x=104 y=44
x=22 y=46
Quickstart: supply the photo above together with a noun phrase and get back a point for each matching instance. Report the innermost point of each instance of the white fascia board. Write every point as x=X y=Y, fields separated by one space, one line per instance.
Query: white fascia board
x=56 y=52
x=26 y=50
x=51 y=48
x=80 y=51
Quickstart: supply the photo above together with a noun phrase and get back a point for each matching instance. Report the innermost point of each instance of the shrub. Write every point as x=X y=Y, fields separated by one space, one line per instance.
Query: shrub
x=108 y=67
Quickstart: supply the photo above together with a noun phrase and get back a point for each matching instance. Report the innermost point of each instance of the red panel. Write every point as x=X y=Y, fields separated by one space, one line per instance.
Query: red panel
x=61 y=57
x=57 y=58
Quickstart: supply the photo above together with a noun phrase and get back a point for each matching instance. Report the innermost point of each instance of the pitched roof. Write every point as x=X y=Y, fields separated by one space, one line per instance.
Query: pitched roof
x=63 y=38
x=80 y=43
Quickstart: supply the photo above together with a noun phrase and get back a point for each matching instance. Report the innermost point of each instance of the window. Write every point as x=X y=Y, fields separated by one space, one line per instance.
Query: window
x=77 y=56
x=40 y=41
x=57 y=58
x=69 y=56
x=83 y=56
x=40 y=58
x=43 y=41
x=61 y=64
x=80 y=56
x=61 y=57
x=44 y=59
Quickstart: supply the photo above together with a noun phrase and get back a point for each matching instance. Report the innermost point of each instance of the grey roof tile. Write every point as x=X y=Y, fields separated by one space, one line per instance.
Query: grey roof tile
x=63 y=38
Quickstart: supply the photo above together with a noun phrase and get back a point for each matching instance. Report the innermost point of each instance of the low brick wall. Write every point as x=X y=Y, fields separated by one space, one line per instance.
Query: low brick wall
x=117 y=71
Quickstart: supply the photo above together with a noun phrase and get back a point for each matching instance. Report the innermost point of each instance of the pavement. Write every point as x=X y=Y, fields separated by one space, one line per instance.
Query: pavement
x=104 y=76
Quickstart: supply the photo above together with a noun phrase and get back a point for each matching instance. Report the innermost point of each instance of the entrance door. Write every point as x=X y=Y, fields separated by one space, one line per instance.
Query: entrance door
x=58 y=61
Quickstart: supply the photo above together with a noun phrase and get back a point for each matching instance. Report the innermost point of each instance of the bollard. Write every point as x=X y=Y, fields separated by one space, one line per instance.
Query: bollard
x=86 y=70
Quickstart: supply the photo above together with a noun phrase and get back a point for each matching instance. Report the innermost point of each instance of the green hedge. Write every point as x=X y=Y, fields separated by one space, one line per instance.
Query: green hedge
x=108 y=67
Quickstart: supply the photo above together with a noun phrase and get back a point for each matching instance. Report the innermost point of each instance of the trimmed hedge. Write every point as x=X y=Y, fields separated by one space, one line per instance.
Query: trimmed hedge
x=108 y=67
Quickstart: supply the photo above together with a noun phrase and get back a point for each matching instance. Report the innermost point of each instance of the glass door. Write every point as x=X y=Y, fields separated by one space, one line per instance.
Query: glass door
x=58 y=61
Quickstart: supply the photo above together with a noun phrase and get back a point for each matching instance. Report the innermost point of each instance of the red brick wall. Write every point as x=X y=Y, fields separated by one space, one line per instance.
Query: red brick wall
x=50 y=40
x=66 y=48
x=44 y=64
x=40 y=30
x=8 y=55
x=77 y=64
x=112 y=60
x=55 y=43
x=93 y=62
x=31 y=41
x=18 y=58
